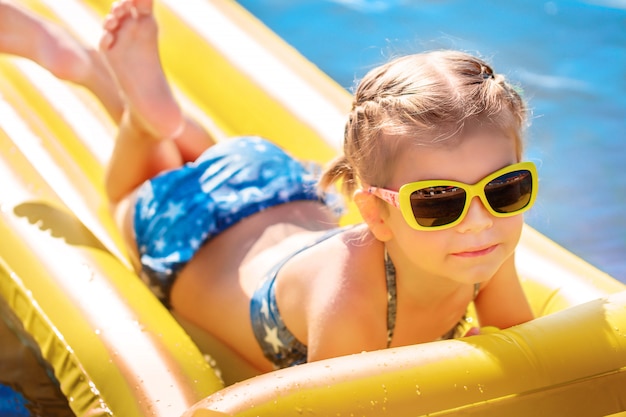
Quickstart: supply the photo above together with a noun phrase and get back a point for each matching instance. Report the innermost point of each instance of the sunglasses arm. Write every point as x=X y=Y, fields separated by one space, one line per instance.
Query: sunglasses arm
x=391 y=197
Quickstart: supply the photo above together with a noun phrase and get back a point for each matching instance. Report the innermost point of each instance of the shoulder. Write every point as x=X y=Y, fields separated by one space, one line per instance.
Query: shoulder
x=341 y=294
x=325 y=270
x=331 y=260
x=345 y=265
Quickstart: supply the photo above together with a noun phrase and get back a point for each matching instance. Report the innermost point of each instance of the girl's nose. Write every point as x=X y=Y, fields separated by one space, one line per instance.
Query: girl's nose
x=477 y=218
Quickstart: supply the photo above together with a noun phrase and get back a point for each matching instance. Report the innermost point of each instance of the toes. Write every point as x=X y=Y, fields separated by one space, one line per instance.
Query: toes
x=110 y=23
x=143 y=7
x=106 y=41
x=121 y=9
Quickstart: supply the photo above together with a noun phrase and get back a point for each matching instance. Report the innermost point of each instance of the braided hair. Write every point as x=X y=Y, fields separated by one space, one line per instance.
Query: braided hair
x=427 y=99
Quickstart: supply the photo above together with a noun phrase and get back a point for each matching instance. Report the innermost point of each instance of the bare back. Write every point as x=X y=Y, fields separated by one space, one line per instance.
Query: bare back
x=224 y=273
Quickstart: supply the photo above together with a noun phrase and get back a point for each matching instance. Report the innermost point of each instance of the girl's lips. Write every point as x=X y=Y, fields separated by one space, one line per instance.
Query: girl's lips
x=475 y=253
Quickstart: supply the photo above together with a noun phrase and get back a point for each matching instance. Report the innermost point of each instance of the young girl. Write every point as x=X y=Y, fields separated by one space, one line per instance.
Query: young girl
x=242 y=243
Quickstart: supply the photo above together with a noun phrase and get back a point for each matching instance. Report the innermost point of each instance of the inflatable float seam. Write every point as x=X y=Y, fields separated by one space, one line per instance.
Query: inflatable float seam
x=83 y=398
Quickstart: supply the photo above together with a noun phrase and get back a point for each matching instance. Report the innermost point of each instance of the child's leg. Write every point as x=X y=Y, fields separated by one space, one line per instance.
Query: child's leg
x=25 y=34
x=154 y=135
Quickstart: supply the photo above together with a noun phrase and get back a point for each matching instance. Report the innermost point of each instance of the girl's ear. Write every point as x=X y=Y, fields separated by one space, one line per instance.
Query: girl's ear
x=374 y=214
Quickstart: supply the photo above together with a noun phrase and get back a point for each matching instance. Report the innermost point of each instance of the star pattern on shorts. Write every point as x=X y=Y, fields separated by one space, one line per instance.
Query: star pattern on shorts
x=174 y=210
x=194 y=243
x=159 y=245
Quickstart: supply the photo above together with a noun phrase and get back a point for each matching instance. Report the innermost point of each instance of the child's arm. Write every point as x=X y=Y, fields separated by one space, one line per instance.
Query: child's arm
x=502 y=302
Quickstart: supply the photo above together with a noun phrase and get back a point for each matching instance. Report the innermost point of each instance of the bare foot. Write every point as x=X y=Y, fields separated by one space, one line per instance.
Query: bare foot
x=25 y=34
x=130 y=47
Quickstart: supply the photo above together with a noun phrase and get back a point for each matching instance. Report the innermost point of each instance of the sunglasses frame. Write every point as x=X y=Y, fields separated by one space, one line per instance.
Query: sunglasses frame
x=402 y=198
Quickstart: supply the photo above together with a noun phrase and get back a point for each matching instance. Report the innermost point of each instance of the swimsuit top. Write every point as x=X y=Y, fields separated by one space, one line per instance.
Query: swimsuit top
x=279 y=345
x=390 y=274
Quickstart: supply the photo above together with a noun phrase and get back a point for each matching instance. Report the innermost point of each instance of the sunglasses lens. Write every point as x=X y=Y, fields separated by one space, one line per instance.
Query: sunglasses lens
x=510 y=192
x=437 y=206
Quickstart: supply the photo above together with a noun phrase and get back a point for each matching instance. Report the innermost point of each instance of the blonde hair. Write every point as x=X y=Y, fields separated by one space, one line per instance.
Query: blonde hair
x=423 y=99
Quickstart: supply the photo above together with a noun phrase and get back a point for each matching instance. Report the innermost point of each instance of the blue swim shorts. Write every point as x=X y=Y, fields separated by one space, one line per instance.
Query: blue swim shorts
x=179 y=210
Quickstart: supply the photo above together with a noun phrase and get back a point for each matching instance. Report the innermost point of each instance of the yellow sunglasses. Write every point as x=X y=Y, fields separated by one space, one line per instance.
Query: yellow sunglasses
x=441 y=204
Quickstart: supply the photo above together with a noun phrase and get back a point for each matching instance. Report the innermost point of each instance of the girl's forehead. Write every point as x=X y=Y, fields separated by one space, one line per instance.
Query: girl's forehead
x=466 y=159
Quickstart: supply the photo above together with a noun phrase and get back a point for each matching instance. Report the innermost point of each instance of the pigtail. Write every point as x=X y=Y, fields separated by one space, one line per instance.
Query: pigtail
x=504 y=100
x=499 y=90
x=341 y=169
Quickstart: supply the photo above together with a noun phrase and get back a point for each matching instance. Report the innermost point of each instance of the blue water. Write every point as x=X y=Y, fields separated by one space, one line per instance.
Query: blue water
x=12 y=403
x=569 y=57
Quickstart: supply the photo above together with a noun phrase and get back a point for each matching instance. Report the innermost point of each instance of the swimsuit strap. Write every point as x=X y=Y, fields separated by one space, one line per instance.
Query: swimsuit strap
x=392 y=300
x=390 y=274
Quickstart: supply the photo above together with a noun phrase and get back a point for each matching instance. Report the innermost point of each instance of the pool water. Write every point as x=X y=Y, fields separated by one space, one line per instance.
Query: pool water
x=568 y=56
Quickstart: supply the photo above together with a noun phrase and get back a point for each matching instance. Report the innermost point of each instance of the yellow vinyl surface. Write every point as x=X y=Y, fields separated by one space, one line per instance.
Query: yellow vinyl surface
x=117 y=351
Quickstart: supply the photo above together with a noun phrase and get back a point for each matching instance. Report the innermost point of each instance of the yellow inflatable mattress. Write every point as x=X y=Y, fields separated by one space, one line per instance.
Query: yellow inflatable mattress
x=66 y=284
